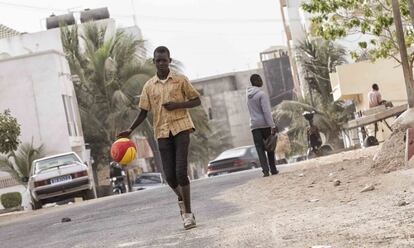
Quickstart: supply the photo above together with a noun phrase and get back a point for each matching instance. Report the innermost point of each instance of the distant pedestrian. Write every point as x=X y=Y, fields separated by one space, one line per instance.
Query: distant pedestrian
x=261 y=123
x=168 y=95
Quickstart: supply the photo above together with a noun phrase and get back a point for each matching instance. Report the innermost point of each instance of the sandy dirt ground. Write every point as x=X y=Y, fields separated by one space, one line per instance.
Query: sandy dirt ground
x=315 y=203
x=319 y=203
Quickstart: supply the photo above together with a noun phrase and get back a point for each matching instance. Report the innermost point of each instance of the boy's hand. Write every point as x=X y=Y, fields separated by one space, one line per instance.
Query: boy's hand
x=124 y=134
x=170 y=106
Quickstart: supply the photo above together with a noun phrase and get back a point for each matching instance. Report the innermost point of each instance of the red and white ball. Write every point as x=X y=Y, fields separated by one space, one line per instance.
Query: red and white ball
x=123 y=151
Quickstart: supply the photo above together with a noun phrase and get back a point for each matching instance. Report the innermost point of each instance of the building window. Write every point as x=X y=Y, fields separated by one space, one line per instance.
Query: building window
x=70 y=116
x=210 y=114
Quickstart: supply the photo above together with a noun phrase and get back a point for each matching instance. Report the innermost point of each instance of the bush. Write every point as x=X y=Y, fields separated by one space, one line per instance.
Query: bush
x=11 y=200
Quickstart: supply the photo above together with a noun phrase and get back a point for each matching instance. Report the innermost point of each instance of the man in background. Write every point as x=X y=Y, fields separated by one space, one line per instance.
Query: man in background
x=261 y=123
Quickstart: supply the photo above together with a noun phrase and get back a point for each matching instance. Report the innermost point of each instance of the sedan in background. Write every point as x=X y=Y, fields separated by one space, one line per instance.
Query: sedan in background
x=60 y=177
x=237 y=159
x=148 y=181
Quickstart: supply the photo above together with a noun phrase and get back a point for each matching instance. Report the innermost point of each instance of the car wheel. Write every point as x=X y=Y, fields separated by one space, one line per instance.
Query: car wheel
x=36 y=204
x=88 y=194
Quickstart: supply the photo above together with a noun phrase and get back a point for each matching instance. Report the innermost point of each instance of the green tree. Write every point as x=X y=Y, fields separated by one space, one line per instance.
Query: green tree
x=9 y=132
x=19 y=163
x=319 y=58
x=328 y=117
x=112 y=72
x=333 y=19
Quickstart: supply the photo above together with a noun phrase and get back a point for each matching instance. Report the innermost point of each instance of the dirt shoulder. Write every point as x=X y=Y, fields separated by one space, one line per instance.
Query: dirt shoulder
x=303 y=208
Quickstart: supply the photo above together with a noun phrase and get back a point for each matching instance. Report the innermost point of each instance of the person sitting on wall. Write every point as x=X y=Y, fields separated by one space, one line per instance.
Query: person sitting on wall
x=375 y=98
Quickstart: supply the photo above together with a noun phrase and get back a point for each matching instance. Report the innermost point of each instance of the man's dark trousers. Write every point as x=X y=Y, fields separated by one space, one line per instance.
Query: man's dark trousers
x=269 y=163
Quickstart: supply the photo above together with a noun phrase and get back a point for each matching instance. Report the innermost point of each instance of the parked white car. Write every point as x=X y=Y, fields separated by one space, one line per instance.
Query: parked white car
x=60 y=177
x=148 y=181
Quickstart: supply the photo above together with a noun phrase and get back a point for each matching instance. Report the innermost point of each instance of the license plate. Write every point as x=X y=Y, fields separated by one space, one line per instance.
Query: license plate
x=60 y=179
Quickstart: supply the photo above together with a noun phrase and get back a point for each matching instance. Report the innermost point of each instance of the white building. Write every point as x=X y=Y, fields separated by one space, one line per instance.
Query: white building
x=298 y=27
x=38 y=90
x=36 y=86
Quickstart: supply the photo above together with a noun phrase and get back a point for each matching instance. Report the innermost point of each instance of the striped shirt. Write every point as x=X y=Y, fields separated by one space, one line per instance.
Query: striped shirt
x=177 y=88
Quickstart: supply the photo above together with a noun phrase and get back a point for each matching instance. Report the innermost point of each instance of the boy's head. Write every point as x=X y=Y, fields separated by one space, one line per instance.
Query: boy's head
x=375 y=87
x=162 y=59
x=256 y=80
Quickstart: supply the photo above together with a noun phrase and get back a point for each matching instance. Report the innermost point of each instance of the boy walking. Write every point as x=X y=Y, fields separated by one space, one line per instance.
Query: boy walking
x=167 y=96
x=261 y=123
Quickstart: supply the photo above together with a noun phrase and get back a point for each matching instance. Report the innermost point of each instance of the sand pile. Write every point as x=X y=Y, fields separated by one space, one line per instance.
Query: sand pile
x=391 y=155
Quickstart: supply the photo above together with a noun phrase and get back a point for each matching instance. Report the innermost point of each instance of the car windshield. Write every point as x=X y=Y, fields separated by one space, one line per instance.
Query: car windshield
x=232 y=153
x=55 y=161
x=148 y=179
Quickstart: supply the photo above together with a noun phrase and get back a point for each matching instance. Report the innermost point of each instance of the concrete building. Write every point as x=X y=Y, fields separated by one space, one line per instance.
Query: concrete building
x=38 y=90
x=353 y=82
x=224 y=100
x=298 y=27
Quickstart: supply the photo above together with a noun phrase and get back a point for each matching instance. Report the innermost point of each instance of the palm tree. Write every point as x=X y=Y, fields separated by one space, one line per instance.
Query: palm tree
x=112 y=73
x=19 y=163
x=328 y=117
x=319 y=58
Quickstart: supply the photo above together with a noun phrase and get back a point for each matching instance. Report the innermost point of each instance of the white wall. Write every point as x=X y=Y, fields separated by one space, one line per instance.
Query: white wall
x=238 y=117
x=32 y=43
x=32 y=88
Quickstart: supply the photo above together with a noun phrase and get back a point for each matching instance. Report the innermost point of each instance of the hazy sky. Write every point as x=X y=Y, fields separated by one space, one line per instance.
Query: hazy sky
x=208 y=36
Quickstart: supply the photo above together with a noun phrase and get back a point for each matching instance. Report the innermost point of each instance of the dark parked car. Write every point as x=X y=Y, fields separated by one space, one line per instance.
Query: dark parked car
x=237 y=159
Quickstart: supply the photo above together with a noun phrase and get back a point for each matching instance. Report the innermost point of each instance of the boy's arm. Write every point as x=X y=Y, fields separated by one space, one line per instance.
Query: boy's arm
x=140 y=118
x=190 y=93
x=181 y=105
x=145 y=106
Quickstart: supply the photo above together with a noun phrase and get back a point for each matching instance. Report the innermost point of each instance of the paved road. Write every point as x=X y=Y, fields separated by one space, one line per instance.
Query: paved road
x=141 y=219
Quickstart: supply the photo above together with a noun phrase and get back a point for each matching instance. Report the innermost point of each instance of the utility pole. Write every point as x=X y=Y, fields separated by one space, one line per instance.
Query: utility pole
x=134 y=16
x=407 y=70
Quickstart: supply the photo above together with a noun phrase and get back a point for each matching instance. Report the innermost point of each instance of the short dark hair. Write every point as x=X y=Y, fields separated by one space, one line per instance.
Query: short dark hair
x=375 y=87
x=254 y=78
x=162 y=49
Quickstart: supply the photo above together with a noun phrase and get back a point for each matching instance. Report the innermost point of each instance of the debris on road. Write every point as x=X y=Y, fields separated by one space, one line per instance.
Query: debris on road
x=301 y=175
x=402 y=203
x=337 y=182
x=66 y=219
x=313 y=200
x=368 y=188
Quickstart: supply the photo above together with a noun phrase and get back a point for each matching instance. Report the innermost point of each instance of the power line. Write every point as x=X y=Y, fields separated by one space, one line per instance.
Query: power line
x=213 y=33
x=190 y=19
